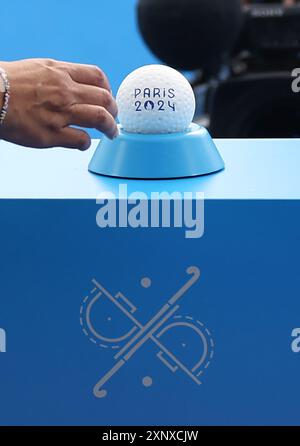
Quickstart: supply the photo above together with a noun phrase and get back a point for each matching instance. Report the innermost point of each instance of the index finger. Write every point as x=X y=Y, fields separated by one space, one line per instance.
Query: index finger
x=87 y=74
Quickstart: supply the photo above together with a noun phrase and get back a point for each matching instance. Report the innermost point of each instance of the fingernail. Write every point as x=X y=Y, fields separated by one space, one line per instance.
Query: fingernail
x=85 y=147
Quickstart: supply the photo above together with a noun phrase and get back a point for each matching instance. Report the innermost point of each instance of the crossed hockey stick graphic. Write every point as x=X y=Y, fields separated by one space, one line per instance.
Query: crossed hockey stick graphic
x=140 y=334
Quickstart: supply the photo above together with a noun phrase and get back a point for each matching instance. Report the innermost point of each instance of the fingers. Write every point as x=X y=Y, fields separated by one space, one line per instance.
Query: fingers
x=87 y=74
x=95 y=106
x=93 y=116
x=73 y=139
x=91 y=95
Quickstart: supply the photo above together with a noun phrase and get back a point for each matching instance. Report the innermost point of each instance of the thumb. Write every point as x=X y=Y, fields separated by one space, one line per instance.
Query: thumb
x=72 y=138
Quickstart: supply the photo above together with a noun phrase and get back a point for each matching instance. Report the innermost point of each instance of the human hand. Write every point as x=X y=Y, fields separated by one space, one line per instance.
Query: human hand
x=47 y=97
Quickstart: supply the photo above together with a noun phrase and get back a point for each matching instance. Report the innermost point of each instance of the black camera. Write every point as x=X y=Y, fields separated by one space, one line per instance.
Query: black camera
x=243 y=58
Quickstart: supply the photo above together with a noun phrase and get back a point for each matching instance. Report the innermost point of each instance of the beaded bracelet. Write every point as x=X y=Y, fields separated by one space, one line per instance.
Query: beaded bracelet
x=6 y=85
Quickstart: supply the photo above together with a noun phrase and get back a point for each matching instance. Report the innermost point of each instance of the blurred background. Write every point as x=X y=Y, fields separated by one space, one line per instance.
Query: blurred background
x=238 y=54
x=101 y=32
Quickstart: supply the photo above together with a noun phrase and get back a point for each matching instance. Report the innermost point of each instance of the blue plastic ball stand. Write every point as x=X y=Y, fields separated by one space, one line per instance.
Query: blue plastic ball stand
x=160 y=156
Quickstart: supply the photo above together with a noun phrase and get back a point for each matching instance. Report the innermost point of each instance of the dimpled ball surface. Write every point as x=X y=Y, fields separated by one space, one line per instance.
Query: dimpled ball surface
x=155 y=99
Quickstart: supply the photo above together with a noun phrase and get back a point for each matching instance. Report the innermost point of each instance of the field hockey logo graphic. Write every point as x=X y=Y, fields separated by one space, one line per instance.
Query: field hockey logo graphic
x=134 y=335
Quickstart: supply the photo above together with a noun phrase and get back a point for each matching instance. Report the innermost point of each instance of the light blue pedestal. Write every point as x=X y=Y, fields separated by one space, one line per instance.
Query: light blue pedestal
x=178 y=155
